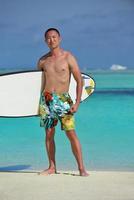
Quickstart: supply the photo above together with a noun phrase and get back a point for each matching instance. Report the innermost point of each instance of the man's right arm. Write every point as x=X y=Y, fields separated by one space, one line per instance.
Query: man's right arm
x=39 y=65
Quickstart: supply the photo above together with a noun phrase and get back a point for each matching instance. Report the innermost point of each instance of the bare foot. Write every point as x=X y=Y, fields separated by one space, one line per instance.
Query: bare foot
x=48 y=171
x=83 y=173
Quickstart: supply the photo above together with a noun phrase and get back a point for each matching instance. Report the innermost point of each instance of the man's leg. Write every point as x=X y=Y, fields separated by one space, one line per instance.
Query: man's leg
x=50 y=147
x=76 y=149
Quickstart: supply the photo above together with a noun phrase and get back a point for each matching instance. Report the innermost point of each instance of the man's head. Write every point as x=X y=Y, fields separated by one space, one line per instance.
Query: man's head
x=51 y=29
x=52 y=38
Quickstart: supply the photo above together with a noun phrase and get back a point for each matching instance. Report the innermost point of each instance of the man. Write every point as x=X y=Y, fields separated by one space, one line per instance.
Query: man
x=56 y=104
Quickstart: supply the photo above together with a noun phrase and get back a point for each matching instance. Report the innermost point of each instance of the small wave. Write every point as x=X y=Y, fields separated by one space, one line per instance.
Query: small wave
x=115 y=91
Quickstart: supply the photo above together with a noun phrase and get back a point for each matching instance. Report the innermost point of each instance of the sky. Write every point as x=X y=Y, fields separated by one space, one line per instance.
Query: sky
x=99 y=33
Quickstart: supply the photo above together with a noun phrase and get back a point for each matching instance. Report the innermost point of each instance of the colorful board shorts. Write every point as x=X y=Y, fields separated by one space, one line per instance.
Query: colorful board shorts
x=54 y=107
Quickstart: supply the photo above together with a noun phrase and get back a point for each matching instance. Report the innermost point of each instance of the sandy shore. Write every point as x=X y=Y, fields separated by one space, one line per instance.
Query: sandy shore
x=67 y=186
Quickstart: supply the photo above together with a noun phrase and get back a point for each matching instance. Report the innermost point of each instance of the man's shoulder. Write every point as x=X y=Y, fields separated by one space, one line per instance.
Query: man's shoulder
x=44 y=57
x=42 y=60
x=68 y=54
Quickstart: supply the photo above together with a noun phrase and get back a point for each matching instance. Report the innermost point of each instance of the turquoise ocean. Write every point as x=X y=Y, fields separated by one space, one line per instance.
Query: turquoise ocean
x=104 y=125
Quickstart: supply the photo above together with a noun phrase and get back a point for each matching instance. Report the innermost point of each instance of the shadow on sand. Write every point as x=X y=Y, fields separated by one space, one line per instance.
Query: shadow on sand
x=14 y=168
x=68 y=173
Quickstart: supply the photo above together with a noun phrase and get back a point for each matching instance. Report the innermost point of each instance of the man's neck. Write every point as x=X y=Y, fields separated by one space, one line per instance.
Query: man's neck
x=56 y=52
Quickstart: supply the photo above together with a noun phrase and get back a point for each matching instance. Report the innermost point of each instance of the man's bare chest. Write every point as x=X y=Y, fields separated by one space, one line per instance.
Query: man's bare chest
x=56 y=66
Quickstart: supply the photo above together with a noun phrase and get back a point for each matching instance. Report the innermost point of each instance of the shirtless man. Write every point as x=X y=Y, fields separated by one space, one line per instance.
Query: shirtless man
x=56 y=104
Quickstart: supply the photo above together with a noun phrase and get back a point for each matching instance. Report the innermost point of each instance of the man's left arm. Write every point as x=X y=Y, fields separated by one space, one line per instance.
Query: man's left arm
x=74 y=69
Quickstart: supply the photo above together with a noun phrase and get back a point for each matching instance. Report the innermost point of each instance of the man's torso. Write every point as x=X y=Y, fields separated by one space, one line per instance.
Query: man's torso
x=56 y=72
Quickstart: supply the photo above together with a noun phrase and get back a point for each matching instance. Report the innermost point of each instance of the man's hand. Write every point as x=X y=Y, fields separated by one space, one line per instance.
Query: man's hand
x=74 y=108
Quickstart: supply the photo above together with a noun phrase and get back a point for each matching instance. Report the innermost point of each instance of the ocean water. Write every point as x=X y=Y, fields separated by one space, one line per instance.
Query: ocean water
x=104 y=125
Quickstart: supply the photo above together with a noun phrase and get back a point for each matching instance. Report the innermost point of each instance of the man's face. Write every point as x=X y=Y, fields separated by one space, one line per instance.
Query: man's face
x=52 y=39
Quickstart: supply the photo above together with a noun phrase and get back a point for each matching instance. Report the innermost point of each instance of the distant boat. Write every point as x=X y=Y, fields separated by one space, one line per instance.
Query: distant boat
x=118 y=67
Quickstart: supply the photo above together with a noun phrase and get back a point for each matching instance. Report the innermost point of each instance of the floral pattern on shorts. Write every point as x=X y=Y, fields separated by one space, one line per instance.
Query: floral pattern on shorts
x=54 y=107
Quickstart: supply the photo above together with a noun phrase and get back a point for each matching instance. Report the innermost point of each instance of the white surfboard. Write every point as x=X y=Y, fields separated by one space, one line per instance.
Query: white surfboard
x=20 y=92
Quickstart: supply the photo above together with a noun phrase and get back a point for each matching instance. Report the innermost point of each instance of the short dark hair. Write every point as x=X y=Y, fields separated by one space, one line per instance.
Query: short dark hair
x=51 y=29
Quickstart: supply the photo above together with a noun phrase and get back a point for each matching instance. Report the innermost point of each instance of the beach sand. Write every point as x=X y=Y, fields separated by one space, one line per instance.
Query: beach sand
x=99 y=185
